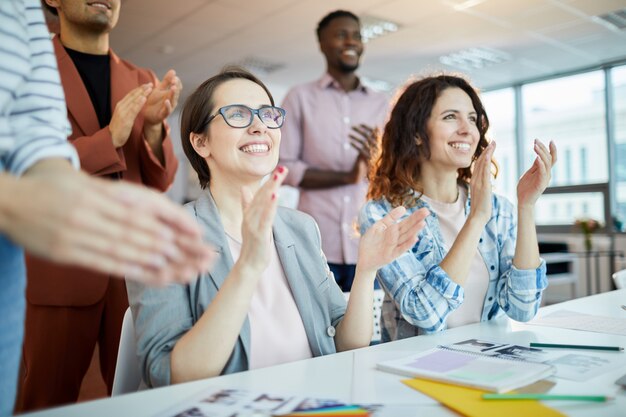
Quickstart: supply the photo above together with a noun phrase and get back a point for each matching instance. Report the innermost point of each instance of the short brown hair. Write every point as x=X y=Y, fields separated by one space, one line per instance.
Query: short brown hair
x=396 y=171
x=52 y=10
x=199 y=107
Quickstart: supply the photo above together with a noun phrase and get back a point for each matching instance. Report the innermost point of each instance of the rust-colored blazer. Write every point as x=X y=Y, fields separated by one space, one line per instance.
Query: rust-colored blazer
x=54 y=285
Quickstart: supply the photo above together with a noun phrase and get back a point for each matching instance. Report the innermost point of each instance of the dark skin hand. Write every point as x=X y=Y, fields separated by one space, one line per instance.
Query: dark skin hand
x=363 y=139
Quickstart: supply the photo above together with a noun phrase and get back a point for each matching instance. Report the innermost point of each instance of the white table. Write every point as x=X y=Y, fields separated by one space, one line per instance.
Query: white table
x=351 y=377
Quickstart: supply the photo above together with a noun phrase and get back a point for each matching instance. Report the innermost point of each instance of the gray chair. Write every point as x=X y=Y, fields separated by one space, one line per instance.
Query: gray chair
x=619 y=278
x=379 y=295
x=127 y=378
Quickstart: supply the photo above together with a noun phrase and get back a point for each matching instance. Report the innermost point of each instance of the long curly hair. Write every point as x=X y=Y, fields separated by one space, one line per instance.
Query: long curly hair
x=396 y=169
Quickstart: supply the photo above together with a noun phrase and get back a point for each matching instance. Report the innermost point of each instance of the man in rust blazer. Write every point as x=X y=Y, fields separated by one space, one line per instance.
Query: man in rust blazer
x=117 y=112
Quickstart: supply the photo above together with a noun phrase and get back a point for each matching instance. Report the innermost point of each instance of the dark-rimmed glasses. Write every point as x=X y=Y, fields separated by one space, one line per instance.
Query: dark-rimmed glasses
x=241 y=116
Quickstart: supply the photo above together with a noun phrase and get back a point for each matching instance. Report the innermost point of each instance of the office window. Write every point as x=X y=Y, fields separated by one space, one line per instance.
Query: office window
x=571 y=112
x=565 y=209
x=618 y=80
x=500 y=107
x=583 y=164
x=567 y=163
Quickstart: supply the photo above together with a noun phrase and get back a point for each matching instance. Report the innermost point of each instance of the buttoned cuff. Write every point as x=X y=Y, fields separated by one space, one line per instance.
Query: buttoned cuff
x=524 y=280
x=443 y=284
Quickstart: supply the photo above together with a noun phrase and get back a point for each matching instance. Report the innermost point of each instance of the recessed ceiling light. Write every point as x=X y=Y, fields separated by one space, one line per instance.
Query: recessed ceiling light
x=613 y=20
x=373 y=27
x=475 y=58
x=259 y=66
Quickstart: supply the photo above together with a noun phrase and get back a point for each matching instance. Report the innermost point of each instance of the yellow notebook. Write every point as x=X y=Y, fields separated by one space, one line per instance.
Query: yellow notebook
x=468 y=401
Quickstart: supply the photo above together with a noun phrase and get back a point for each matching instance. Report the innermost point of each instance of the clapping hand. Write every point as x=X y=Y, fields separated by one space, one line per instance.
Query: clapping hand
x=162 y=99
x=388 y=238
x=112 y=227
x=480 y=185
x=125 y=113
x=534 y=181
x=259 y=211
x=363 y=139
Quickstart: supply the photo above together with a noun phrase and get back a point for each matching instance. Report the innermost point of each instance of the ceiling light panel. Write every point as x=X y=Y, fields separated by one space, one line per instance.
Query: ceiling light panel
x=475 y=58
x=373 y=27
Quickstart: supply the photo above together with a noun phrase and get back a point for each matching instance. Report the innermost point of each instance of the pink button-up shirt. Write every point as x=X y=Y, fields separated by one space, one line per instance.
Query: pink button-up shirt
x=319 y=120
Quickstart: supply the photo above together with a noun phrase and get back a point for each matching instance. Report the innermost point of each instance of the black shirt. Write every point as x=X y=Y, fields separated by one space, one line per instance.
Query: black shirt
x=95 y=71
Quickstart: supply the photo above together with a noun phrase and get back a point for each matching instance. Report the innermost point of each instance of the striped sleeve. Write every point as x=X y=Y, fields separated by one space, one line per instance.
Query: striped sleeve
x=33 y=116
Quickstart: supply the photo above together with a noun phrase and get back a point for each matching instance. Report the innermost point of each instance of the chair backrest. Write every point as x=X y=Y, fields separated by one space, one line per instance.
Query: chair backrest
x=127 y=377
x=619 y=278
x=379 y=295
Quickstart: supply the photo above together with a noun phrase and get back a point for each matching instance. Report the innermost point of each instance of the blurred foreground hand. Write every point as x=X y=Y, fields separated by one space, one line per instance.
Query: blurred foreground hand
x=119 y=228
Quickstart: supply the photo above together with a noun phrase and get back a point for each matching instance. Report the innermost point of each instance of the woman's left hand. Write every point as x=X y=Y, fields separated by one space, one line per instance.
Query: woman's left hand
x=387 y=238
x=534 y=181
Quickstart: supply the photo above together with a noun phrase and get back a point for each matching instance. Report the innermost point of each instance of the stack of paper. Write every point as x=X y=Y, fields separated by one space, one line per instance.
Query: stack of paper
x=468 y=363
x=566 y=319
x=469 y=402
x=220 y=402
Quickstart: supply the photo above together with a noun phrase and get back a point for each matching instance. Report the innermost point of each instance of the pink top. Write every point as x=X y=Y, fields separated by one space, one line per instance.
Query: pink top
x=319 y=120
x=277 y=332
x=451 y=219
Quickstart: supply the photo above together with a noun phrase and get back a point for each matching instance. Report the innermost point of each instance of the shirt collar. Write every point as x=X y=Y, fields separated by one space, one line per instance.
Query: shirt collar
x=328 y=81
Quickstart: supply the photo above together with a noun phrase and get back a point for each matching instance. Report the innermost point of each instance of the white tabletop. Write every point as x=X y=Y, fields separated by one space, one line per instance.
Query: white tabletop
x=351 y=377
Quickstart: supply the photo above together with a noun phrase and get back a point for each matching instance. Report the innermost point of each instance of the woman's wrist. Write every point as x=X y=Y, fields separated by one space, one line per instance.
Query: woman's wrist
x=526 y=210
x=365 y=273
x=477 y=220
x=250 y=264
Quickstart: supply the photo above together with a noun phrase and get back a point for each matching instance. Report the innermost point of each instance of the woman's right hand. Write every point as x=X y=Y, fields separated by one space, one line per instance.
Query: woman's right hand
x=480 y=186
x=258 y=218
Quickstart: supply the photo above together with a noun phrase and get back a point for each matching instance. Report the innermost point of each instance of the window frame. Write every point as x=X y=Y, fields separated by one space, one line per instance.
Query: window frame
x=606 y=188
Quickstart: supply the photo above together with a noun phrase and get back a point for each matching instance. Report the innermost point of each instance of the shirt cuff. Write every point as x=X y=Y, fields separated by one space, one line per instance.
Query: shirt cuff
x=528 y=279
x=442 y=283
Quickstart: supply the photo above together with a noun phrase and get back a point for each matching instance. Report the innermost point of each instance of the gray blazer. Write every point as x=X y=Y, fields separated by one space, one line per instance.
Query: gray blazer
x=164 y=315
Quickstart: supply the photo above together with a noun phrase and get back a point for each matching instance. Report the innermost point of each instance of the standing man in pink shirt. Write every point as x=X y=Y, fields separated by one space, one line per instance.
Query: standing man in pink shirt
x=327 y=136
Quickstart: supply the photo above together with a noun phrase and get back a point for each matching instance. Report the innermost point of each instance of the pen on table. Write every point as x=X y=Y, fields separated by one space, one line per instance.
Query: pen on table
x=589 y=347
x=623 y=307
x=564 y=397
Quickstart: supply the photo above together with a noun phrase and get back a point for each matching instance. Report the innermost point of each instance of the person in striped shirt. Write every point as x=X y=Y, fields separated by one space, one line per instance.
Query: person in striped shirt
x=51 y=209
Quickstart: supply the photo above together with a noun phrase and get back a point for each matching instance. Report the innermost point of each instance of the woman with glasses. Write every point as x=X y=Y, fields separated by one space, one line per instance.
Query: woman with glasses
x=270 y=298
x=477 y=258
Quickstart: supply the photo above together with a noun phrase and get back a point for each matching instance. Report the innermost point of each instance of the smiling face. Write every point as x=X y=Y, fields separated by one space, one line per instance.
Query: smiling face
x=452 y=131
x=98 y=16
x=239 y=154
x=341 y=44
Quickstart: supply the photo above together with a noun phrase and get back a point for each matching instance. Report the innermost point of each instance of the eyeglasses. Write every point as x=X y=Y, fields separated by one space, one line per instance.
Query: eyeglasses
x=240 y=116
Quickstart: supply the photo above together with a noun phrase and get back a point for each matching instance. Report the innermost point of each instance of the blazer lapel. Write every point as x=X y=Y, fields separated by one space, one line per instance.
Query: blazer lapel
x=209 y=217
x=78 y=101
x=286 y=248
x=123 y=79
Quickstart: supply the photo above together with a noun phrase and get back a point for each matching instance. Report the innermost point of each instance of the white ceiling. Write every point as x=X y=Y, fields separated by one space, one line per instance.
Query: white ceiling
x=543 y=37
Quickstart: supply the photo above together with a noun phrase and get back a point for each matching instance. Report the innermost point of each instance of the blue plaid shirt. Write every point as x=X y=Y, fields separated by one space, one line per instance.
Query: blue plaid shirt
x=419 y=295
